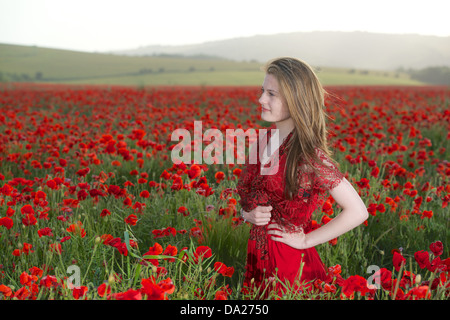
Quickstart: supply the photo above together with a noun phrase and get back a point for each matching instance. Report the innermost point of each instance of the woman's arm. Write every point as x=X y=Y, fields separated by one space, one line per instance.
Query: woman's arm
x=353 y=213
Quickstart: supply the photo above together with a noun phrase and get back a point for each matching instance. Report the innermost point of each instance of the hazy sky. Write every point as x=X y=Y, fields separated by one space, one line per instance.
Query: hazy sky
x=102 y=25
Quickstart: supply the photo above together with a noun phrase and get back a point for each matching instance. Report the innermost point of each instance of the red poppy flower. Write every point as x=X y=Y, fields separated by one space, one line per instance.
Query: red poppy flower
x=105 y=212
x=223 y=269
x=152 y=291
x=6 y=190
x=40 y=195
x=5 y=290
x=29 y=220
x=427 y=214
x=35 y=271
x=398 y=260
x=138 y=207
x=127 y=202
x=10 y=212
x=183 y=210
x=26 y=279
x=327 y=207
x=194 y=171
x=45 y=232
x=237 y=172
x=422 y=258
x=219 y=176
x=166 y=175
x=159 y=233
x=436 y=264
x=222 y=294
x=106 y=238
x=77 y=229
x=154 y=251
x=167 y=285
x=52 y=184
x=6 y=222
x=26 y=248
x=145 y=194
x=49 y=281
x=326 y=219
x=64 y=239
x=202 y=252
x=79 y=292
x=82 y=195
x=334 y=270
x=22 y=293
x=385 y=277
x=130 y=294
x=363 y=183
x=353 y=284
x=170 y=251
x=103 y=289
x=83 y=172
x=437 y=248
x=131 y=219
x=421 y=292
x=27 y=209
x=196 y=232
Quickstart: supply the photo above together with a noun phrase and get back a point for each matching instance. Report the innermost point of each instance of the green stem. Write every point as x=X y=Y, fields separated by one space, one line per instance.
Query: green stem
x=90 y=262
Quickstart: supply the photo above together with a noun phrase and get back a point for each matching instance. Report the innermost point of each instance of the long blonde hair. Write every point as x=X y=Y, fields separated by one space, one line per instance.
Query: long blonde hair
x=305 y=98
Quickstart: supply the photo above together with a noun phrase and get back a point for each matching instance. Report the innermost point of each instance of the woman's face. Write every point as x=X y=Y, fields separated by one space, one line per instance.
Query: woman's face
x=272 y=103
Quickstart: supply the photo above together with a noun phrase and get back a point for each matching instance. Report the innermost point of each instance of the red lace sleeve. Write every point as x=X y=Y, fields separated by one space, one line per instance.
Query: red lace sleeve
x=329 y=175
x=243 y=185
x=248 y=173
x=245 y=179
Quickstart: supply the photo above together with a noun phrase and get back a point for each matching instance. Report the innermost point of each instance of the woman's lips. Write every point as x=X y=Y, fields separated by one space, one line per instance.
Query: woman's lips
x=263 y=109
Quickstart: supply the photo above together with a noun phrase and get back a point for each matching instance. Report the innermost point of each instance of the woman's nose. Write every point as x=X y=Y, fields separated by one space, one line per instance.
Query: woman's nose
x=262 y=99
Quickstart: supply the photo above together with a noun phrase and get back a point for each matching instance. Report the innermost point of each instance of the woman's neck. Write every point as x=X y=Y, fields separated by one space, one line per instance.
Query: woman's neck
x=285 y=127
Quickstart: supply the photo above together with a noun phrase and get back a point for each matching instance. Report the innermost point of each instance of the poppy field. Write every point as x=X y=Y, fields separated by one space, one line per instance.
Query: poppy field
x=93 y=208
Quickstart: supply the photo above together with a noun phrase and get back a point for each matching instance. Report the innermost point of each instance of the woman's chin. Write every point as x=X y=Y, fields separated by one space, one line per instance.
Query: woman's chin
x=265 y=117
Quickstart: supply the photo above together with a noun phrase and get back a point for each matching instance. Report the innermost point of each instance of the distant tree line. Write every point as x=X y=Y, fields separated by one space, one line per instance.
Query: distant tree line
x=21 y=77
x=431 y=75
x=163 y=70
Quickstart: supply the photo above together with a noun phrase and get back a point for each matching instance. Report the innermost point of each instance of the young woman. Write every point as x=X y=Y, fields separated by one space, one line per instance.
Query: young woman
x=279 y=205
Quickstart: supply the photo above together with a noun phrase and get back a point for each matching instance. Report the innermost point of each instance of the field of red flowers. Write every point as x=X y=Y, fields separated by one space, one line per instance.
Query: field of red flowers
x=92 y=207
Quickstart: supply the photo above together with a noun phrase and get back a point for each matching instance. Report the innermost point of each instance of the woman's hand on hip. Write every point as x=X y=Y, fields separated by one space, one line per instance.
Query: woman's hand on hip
x=259 y=216
x=295 y=240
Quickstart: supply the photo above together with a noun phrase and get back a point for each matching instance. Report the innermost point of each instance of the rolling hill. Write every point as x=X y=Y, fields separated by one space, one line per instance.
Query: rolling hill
x=35 y=64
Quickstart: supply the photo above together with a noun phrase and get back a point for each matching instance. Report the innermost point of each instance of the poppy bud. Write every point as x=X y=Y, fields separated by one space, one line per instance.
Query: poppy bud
x=418 y=279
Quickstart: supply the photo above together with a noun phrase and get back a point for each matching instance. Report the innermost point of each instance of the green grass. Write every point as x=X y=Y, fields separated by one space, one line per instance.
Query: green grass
x=24 y=63
x=233 y=77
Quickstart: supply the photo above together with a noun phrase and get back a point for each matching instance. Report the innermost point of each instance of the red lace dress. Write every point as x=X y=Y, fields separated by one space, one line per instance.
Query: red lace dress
x=266 y=257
